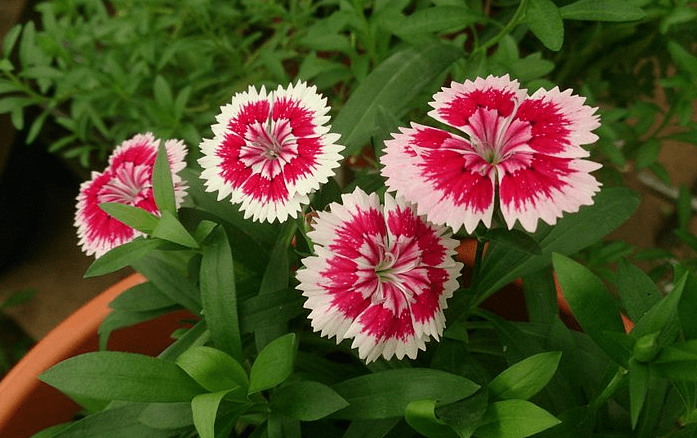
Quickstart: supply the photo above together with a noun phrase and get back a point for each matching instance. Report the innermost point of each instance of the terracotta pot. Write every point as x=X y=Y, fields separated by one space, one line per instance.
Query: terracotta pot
x=28 y=405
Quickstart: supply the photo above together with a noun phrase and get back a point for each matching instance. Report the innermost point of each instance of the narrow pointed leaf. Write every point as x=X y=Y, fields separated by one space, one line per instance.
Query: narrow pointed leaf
x=162 y=185
x=170 y=282
x=544 y=20
x=525 y=378
x=118 y=422
x=122 y=256
x=113 y=375
x=213 y=369
x=514 y=419
x=306 y=401
x=638 y=386
x=273 y=364
x=218 y=294
x=134 y=217
x=638 y=292
x=169 y=228
x=392 y=84
x=387 y=393
x=205 y=411
x=421 y=416
x=602 y=10
x=590 y=302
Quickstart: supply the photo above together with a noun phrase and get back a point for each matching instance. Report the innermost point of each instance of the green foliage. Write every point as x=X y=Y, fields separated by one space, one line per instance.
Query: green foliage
x=98 y=72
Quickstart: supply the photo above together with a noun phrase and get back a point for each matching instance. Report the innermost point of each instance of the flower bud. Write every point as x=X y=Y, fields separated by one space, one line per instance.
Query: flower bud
x=646 y=348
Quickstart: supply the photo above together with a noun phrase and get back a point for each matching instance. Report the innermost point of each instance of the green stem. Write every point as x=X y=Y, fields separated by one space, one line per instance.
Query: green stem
x=609 y=390
x=515 y=20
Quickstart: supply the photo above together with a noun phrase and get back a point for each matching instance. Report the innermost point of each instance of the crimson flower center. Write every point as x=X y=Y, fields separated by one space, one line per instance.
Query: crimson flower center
x=129 y=185
x=270 y=146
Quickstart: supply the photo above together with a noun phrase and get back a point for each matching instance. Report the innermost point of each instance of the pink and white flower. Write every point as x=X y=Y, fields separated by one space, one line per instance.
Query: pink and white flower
x=270 y=151
x=126 y=180
x=381 y=275
x=524 y=148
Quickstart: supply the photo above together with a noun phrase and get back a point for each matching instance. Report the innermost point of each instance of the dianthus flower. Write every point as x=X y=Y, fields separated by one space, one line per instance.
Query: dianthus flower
x=126 y=180
x=526 y=148
x=381 y=275
x=270 y=150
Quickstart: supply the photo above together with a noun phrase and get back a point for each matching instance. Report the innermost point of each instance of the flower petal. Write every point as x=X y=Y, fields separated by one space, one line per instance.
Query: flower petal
x=442 y=174
x=560 y=123
x=493 y=99
x=380 y=276
x=127 y=180
x=546 y=189
x=270 y=151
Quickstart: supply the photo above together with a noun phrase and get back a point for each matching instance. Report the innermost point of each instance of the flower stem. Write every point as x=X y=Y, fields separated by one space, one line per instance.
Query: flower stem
x=515 y=20
x=608 y=391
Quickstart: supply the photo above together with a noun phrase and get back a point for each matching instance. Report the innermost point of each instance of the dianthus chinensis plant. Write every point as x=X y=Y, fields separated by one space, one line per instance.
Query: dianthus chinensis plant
x=321 y=251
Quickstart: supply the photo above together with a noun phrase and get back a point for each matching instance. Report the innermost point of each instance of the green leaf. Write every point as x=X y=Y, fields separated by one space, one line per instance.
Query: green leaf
x=647 y=153
x=218 y=294
x=126 y=318
x=306 y=401
x=114 y=375
x=516 y=239
x=684 y=59
x=591 y=303
x=436 y=19
x=464 y=415
x=134 y=217
x=10 y=39
x=263 y=311
x=387 y=393
x=544 y=20
x=196 y=336
x=141 y=297
x=662 y=317
x=602 y=10
x=163 y=93
x=688 y=303
x=283 y=427
x=421 y=416
x=503 y=264
x=275 y=279
x=6 y=65
x=273 y=364
x=684 y=207
x=677 y=361
x=361 y=428
x=122 y=256
x=205 y=411
x=8 y=104
x=36 y=126
x=167 y=415
x=117 y=422
x=169 y=228
x=170 y=282
x=637 y=290
x=514 y=419
x=19 y=297
x=213 y=369
x=638 y=388
x=162 y=185
x=393 y=84
x=526 y=378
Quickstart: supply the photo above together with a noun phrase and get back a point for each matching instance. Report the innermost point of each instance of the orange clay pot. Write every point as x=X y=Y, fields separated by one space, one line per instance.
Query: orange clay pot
x=28 y=405
x=509 y=302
